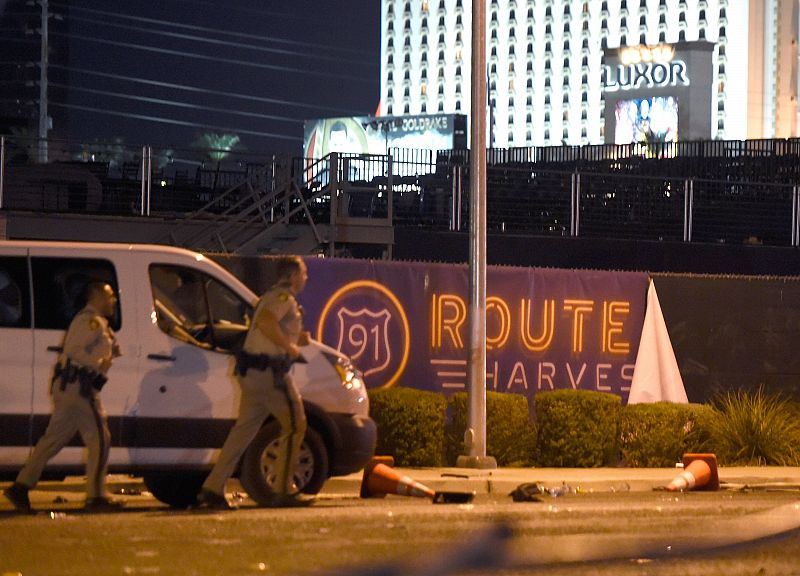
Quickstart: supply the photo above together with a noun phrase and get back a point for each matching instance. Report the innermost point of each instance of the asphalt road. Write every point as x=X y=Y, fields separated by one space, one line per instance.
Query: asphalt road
x=619 y=532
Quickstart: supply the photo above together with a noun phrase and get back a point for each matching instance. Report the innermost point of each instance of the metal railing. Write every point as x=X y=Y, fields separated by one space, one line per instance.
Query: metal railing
x=596 y=191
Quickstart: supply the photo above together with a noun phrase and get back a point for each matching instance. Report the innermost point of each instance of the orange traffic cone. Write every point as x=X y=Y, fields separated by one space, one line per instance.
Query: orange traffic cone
x=699 y=473
x=374 y=461
x=381 y=480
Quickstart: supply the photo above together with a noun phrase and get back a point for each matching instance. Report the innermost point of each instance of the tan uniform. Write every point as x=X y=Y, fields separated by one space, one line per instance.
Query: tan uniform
x=261 y=397
x=90 y=343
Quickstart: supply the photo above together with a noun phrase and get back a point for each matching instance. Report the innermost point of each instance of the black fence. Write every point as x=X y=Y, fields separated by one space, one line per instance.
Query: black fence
x=714 y=191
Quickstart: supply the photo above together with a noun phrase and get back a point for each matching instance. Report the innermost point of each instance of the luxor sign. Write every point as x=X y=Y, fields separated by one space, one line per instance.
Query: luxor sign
x=645 y=67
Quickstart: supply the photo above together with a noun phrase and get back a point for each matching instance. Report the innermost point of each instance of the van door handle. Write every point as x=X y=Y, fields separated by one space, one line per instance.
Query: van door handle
x=162 y=357
x=58 y=349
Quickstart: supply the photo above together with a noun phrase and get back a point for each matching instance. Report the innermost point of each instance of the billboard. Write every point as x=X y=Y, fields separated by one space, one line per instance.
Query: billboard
x=646 y=120
x=405 y=324
x=379 y=134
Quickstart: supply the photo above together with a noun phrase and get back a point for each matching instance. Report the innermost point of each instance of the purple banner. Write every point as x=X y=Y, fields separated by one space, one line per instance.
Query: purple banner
x=406 y=324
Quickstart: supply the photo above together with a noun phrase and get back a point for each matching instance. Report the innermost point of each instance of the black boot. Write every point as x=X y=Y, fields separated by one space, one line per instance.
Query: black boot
x=17 y=494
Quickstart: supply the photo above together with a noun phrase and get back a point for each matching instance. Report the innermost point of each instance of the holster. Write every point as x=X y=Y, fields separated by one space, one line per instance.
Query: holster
x=279 y=365
x=90 y=380
x=86 y=378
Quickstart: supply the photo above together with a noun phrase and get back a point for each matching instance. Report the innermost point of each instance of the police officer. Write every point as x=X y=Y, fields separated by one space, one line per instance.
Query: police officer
x=89 y=348
x=266 y=388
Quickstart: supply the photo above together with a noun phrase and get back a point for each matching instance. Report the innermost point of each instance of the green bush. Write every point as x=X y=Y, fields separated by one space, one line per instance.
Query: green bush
x=657 y=435
x=410 y=425
x=577 y=428
x=510 y=434
x=755 y=429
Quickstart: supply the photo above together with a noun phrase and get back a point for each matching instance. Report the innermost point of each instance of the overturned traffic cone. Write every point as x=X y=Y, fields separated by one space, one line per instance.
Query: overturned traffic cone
x=380 y=480
x=699 y=473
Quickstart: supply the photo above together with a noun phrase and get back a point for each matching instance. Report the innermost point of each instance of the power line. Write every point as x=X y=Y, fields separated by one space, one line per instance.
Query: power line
x=22 y=40
x=162 y=120
x=176 y=103
x=198 y=90
x=213 y=58
x=206 y=40
x=327 y=48
x=292 y=15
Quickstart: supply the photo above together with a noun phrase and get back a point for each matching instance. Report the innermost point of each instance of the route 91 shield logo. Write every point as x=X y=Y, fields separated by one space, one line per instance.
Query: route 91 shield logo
x=368 y=324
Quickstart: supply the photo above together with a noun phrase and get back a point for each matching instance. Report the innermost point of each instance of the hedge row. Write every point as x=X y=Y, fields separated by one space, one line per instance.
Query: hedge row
x=570 y=428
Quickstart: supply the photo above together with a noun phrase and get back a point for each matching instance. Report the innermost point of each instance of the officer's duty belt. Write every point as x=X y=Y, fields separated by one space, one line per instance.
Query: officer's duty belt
x=87 y=378
x=279 y=364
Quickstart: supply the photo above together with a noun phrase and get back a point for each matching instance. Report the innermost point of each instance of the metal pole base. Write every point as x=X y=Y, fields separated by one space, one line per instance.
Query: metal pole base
x=479 y=462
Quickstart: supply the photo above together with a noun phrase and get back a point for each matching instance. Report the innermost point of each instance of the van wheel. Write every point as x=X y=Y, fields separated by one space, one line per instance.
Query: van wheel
x=258 y=470
x=178 y=489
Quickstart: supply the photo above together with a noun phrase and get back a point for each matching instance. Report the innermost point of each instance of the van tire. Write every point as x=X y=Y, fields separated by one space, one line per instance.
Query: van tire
x=178 y=489
x=310 y=475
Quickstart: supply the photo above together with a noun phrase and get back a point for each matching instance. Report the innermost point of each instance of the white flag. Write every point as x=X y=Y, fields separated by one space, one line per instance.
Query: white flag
x=656 y=377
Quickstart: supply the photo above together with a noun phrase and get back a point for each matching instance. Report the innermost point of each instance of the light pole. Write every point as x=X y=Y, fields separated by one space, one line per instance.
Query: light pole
x=475 y=436
x=44 y=120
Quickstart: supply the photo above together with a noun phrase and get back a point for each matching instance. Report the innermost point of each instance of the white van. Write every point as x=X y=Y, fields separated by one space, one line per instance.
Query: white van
x=171 y=397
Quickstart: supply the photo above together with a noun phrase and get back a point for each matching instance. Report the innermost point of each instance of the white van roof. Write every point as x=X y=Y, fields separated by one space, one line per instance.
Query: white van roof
x=155 y=250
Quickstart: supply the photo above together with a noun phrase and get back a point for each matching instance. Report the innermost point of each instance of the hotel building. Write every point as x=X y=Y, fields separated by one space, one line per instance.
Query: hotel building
x=599 y=71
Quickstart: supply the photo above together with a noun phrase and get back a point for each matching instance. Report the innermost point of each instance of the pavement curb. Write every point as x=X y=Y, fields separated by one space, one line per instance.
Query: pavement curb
x=503 y=480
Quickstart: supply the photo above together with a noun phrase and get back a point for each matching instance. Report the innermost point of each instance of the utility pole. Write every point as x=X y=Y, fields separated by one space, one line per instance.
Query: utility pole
x=44 y=120
x=475 y=436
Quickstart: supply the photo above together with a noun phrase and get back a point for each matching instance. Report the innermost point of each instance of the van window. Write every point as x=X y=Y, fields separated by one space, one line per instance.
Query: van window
x=15 y=307
x=196 y=308
x=59 y=289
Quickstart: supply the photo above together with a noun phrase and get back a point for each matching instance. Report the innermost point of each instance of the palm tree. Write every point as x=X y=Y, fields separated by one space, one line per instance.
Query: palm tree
x=217 y=147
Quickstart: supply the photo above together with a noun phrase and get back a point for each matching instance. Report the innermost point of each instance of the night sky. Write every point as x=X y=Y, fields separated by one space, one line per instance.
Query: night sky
x=253 y=68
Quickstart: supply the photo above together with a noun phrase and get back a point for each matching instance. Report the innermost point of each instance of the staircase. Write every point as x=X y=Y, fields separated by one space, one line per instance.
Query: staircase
x=287 y=219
